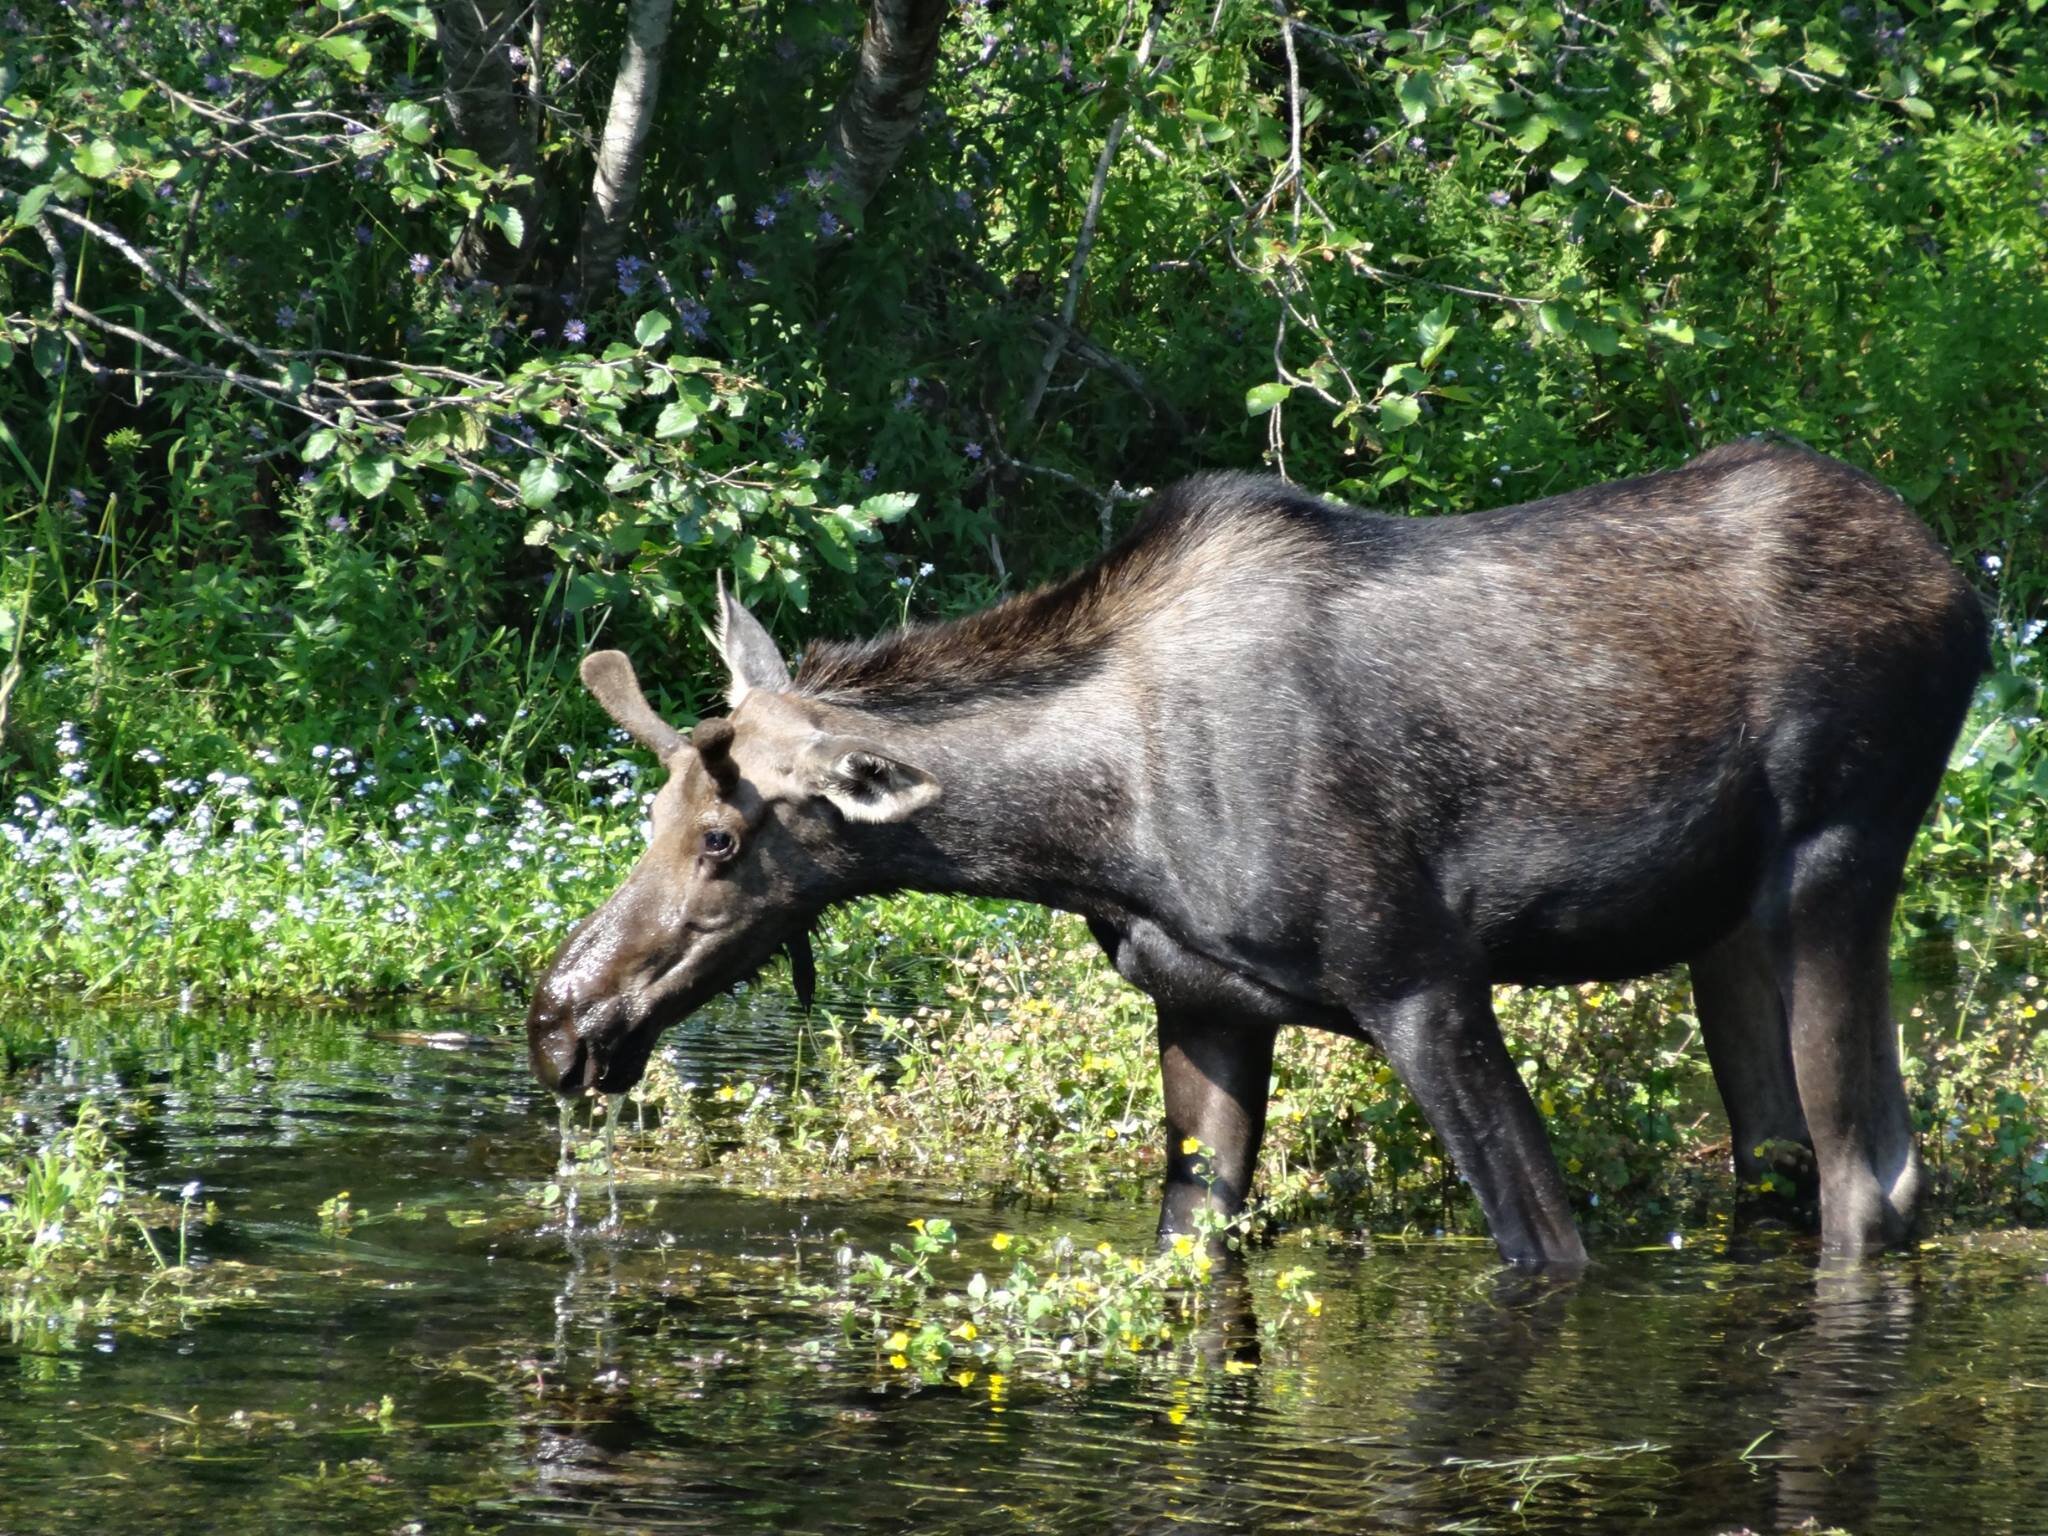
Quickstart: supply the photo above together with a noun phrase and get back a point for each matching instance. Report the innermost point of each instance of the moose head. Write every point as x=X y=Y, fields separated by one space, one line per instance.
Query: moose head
x=768 y=816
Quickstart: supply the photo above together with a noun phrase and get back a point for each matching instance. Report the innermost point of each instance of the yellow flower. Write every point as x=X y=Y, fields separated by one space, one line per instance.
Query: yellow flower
x=963 y=1378
x=1315 y=1305
x=1000 y=1241
x=1189 y=1146
x=1183 y=1246
x=917 y=1225
x=967 y=1331
x=1176 y=1415
x=1105 y=1250
x=897 y=1342
x=899 y=1362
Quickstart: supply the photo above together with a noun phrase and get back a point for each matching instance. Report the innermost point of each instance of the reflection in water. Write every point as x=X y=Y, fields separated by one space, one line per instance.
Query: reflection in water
x=651 y=1374
x=1838 y=1375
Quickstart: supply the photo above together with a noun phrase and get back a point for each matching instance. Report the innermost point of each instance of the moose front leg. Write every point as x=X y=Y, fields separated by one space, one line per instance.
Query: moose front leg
x=1444 y=1043
x=1216 y=1070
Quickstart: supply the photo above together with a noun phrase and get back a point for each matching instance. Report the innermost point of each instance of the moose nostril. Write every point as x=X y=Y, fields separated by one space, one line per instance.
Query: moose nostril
x=558 y=1062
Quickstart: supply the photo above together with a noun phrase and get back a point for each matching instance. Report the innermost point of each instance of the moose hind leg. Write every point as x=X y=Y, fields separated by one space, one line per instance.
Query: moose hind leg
x=1836 y=975
x=1216 y=1071
x=1749 y=1044
x=1444 y=1043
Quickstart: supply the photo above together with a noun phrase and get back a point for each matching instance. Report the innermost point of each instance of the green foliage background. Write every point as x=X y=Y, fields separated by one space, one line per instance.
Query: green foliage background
x=1431 y=260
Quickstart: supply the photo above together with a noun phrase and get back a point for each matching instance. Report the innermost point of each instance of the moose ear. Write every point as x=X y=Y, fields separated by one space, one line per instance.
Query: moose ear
x=748 y=649
x=609 y=677
x=867 y=784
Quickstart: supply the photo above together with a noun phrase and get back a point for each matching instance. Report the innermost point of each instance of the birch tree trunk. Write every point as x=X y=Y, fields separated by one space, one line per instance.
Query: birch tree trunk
x=482 y=93
x=875 y=119
x=622 y=155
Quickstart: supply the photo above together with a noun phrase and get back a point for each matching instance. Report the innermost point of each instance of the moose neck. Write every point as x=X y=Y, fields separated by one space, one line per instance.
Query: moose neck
x=1037 y=799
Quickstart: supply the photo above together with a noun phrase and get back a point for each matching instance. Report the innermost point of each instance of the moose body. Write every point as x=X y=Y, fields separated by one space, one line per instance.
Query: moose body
x=1301 y=764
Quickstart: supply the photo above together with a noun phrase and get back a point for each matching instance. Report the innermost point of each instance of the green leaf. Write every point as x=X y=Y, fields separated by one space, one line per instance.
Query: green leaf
x=1672 y=329
x=1399 y=412
x=319 y=445
x=1568 y=170
x=31 y=203
x=540 y=483
x=410 y=120
x=1913 y=106
x=259 y=66
x=1533 y=132
x=1414 y=95
x=1824 y=60
x=507 y=221
x=1434 y=331
x=652 y=327
x=371 y=475
x=99 y=159
x=584 y=591
x=347 y=50
x=1602 y=339
x=1261 y=398
x=888 y=506
x=678 y=419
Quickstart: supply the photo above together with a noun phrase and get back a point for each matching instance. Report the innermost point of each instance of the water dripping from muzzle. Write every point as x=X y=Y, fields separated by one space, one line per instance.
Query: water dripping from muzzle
x=613 y=1103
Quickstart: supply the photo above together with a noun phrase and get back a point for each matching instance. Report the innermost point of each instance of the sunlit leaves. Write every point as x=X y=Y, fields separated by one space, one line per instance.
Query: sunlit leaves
x=370 y=474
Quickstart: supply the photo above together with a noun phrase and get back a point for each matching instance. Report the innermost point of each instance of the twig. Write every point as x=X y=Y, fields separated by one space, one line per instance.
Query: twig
x=1071 y=303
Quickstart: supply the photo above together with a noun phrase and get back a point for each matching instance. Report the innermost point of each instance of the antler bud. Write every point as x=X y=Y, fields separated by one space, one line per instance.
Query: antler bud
x=713 y=742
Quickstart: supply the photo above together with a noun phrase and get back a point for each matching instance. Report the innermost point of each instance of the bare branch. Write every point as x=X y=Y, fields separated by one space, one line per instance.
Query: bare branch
x=1070 y=304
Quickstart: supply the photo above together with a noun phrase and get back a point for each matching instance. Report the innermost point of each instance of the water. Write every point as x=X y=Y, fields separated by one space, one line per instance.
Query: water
x=460 y=1358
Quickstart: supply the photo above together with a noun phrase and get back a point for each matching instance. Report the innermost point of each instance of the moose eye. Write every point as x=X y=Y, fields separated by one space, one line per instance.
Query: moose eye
x=719 y=844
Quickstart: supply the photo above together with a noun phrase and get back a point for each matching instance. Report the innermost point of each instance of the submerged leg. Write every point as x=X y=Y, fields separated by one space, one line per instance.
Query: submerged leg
x=1444 y=1043
x=1216 y=1071
x=1742 y=1020
x=1834 y=969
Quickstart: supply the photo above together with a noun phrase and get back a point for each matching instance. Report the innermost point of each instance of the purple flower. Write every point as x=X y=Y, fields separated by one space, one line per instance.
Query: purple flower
x=793 y=440
x=764 y=216
x=748 y=270
x=562 y=68
x=574 y=330
x=868 y=473
x=828 y=223
x=1498 y=198
x=217 y=85
x=815 y=178
x=629 y=269
x=363 y=234
x=691 y=316
x=227 y=34
x=287 y=317
x=336 y=522
x=1417 y=143
x=516 y=56
x=421 y=264
x=964 y=200
x=972 y=450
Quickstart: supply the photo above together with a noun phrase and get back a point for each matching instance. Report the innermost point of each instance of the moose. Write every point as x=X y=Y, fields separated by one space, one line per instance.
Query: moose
x=1301 y=763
